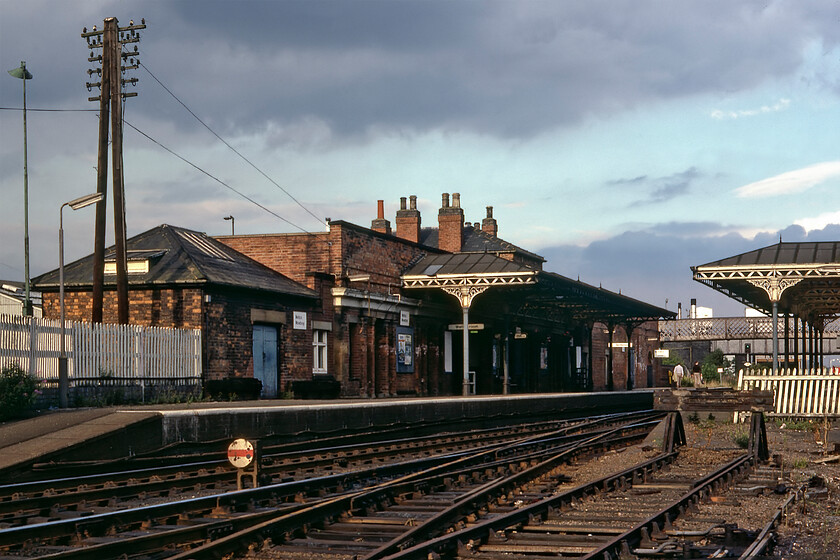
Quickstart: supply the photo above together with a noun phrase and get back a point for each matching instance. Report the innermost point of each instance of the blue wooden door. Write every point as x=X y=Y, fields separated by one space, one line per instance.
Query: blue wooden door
x=265 y=359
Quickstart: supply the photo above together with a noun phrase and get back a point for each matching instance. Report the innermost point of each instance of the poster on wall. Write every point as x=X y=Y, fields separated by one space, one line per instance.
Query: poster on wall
x=405 y=350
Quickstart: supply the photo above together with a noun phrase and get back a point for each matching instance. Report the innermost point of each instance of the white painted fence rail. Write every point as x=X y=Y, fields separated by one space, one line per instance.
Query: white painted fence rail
x=102 y=354
x=814 y=393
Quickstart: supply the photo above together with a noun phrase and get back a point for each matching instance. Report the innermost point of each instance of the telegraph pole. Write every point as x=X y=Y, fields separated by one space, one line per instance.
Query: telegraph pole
x=113 y=63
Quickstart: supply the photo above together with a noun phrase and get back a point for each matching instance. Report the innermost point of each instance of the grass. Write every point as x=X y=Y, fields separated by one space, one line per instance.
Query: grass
x=741 y=439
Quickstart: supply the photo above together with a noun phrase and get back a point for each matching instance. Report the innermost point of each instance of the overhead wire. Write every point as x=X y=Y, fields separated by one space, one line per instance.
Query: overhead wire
x=211 y=176
x=226 y=143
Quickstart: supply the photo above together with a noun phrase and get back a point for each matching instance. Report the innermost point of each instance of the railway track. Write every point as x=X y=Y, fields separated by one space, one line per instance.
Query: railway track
x=584 y=489
x=41 y=500
x=93 y=523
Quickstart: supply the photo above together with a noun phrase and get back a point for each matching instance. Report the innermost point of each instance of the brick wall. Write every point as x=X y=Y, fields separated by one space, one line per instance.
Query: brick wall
x=293 y=255
x=158 y=307
x=642 y=350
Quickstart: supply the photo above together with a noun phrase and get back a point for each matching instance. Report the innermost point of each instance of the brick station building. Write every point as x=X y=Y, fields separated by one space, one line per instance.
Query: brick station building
x=382 y=338
x=185 y=279
x=370 y=311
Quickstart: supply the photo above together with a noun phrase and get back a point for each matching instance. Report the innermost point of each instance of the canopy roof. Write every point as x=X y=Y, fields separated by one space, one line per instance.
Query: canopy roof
x=803 y=278
x=526 y=292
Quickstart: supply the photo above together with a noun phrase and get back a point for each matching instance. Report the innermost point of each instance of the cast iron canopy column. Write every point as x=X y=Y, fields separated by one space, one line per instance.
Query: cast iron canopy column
x=801 y=277
x=466 y=276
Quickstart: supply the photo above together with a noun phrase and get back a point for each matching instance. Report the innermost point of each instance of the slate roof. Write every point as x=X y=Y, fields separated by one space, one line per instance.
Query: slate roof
x=183 y=257
x=552 y=297
x=812 y=270
x=786 y=253
x=464 y=264
x=477 y=241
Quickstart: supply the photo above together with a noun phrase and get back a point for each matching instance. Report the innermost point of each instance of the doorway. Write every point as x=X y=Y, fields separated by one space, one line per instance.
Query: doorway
x=265 y=359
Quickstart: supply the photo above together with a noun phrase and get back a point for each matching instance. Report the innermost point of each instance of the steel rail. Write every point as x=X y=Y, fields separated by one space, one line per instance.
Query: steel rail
x=278 y=529
x=290 y=448
x=633 y=537
x=98 y=523
x=141 y=482
x=767 y=537
x=480 y=530
x=482 y=496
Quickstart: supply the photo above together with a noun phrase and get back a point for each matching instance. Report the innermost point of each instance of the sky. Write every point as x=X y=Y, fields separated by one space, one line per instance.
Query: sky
x=625 y=141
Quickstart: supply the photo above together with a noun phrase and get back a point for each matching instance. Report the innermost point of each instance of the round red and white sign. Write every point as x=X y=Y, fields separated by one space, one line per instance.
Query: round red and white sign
x=240 y=453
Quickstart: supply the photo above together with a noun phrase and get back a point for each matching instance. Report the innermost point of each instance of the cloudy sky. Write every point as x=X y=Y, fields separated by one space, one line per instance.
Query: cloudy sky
x=623 y=140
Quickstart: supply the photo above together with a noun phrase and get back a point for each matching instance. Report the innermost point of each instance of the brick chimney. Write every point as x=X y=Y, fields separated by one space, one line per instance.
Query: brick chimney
x=380 y=224
x=450 y=224
x=489 y=225
x=408 y=220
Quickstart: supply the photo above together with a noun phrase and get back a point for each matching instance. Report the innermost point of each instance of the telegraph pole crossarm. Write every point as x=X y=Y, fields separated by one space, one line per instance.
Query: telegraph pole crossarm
x=113 y=63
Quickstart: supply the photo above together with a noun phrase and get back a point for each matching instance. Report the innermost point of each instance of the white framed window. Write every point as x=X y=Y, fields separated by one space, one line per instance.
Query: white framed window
x=319 y=351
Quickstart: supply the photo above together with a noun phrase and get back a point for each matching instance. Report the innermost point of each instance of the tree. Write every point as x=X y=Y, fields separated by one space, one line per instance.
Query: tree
x=714 y=360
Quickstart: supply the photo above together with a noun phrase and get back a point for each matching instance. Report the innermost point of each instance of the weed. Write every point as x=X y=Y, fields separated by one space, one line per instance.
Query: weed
x=800 y=463
x=741 y=439
x=18 y=391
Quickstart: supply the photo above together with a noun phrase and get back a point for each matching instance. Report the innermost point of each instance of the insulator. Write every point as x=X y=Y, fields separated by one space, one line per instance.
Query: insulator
x=143 y=21
x=131 y=22
x=94 y=28
x=135 y=48
x=84 y=29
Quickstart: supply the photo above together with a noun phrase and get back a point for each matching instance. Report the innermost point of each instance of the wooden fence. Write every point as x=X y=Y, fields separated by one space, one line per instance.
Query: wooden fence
x=102 y=354
x=814 y=393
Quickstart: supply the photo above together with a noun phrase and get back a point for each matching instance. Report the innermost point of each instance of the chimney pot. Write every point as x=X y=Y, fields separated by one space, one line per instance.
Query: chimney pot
x=408 y=221
x=450 y=224
x=413 y=201
x=444 y=200
x=489 y=224
x=380 y=224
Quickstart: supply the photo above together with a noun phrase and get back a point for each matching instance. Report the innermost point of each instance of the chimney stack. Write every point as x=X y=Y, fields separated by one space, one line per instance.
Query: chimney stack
x=489 y=225
x=450 y=224
x=380 y=224
x=408 y=220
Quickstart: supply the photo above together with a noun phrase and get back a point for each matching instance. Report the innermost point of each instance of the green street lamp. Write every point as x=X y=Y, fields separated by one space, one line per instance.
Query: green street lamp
x=23 y=74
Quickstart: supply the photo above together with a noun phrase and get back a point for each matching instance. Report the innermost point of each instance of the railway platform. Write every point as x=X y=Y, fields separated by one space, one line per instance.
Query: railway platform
x=114 y=433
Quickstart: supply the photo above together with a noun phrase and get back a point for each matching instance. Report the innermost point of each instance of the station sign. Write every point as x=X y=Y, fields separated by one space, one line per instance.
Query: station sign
x=471 y=326
x=661 y=353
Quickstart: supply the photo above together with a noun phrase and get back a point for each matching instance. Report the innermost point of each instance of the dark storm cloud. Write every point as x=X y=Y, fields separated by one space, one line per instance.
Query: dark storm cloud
x=501 y=68
x=498 y=68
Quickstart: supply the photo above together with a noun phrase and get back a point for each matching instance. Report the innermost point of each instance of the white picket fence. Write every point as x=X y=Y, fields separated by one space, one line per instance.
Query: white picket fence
x=814 y=393
x=101 y=354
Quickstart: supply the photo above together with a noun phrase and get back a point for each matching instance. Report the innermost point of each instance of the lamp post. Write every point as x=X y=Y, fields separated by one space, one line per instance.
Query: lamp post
x=23 y=74
x=75 y=204
x=232 y=222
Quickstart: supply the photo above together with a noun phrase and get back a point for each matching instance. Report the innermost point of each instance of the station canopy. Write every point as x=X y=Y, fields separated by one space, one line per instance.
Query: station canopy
x=525 y=292
x=802 y=278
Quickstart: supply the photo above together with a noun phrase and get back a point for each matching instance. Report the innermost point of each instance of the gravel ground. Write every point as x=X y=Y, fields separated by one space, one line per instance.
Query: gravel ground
x=812 y=530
